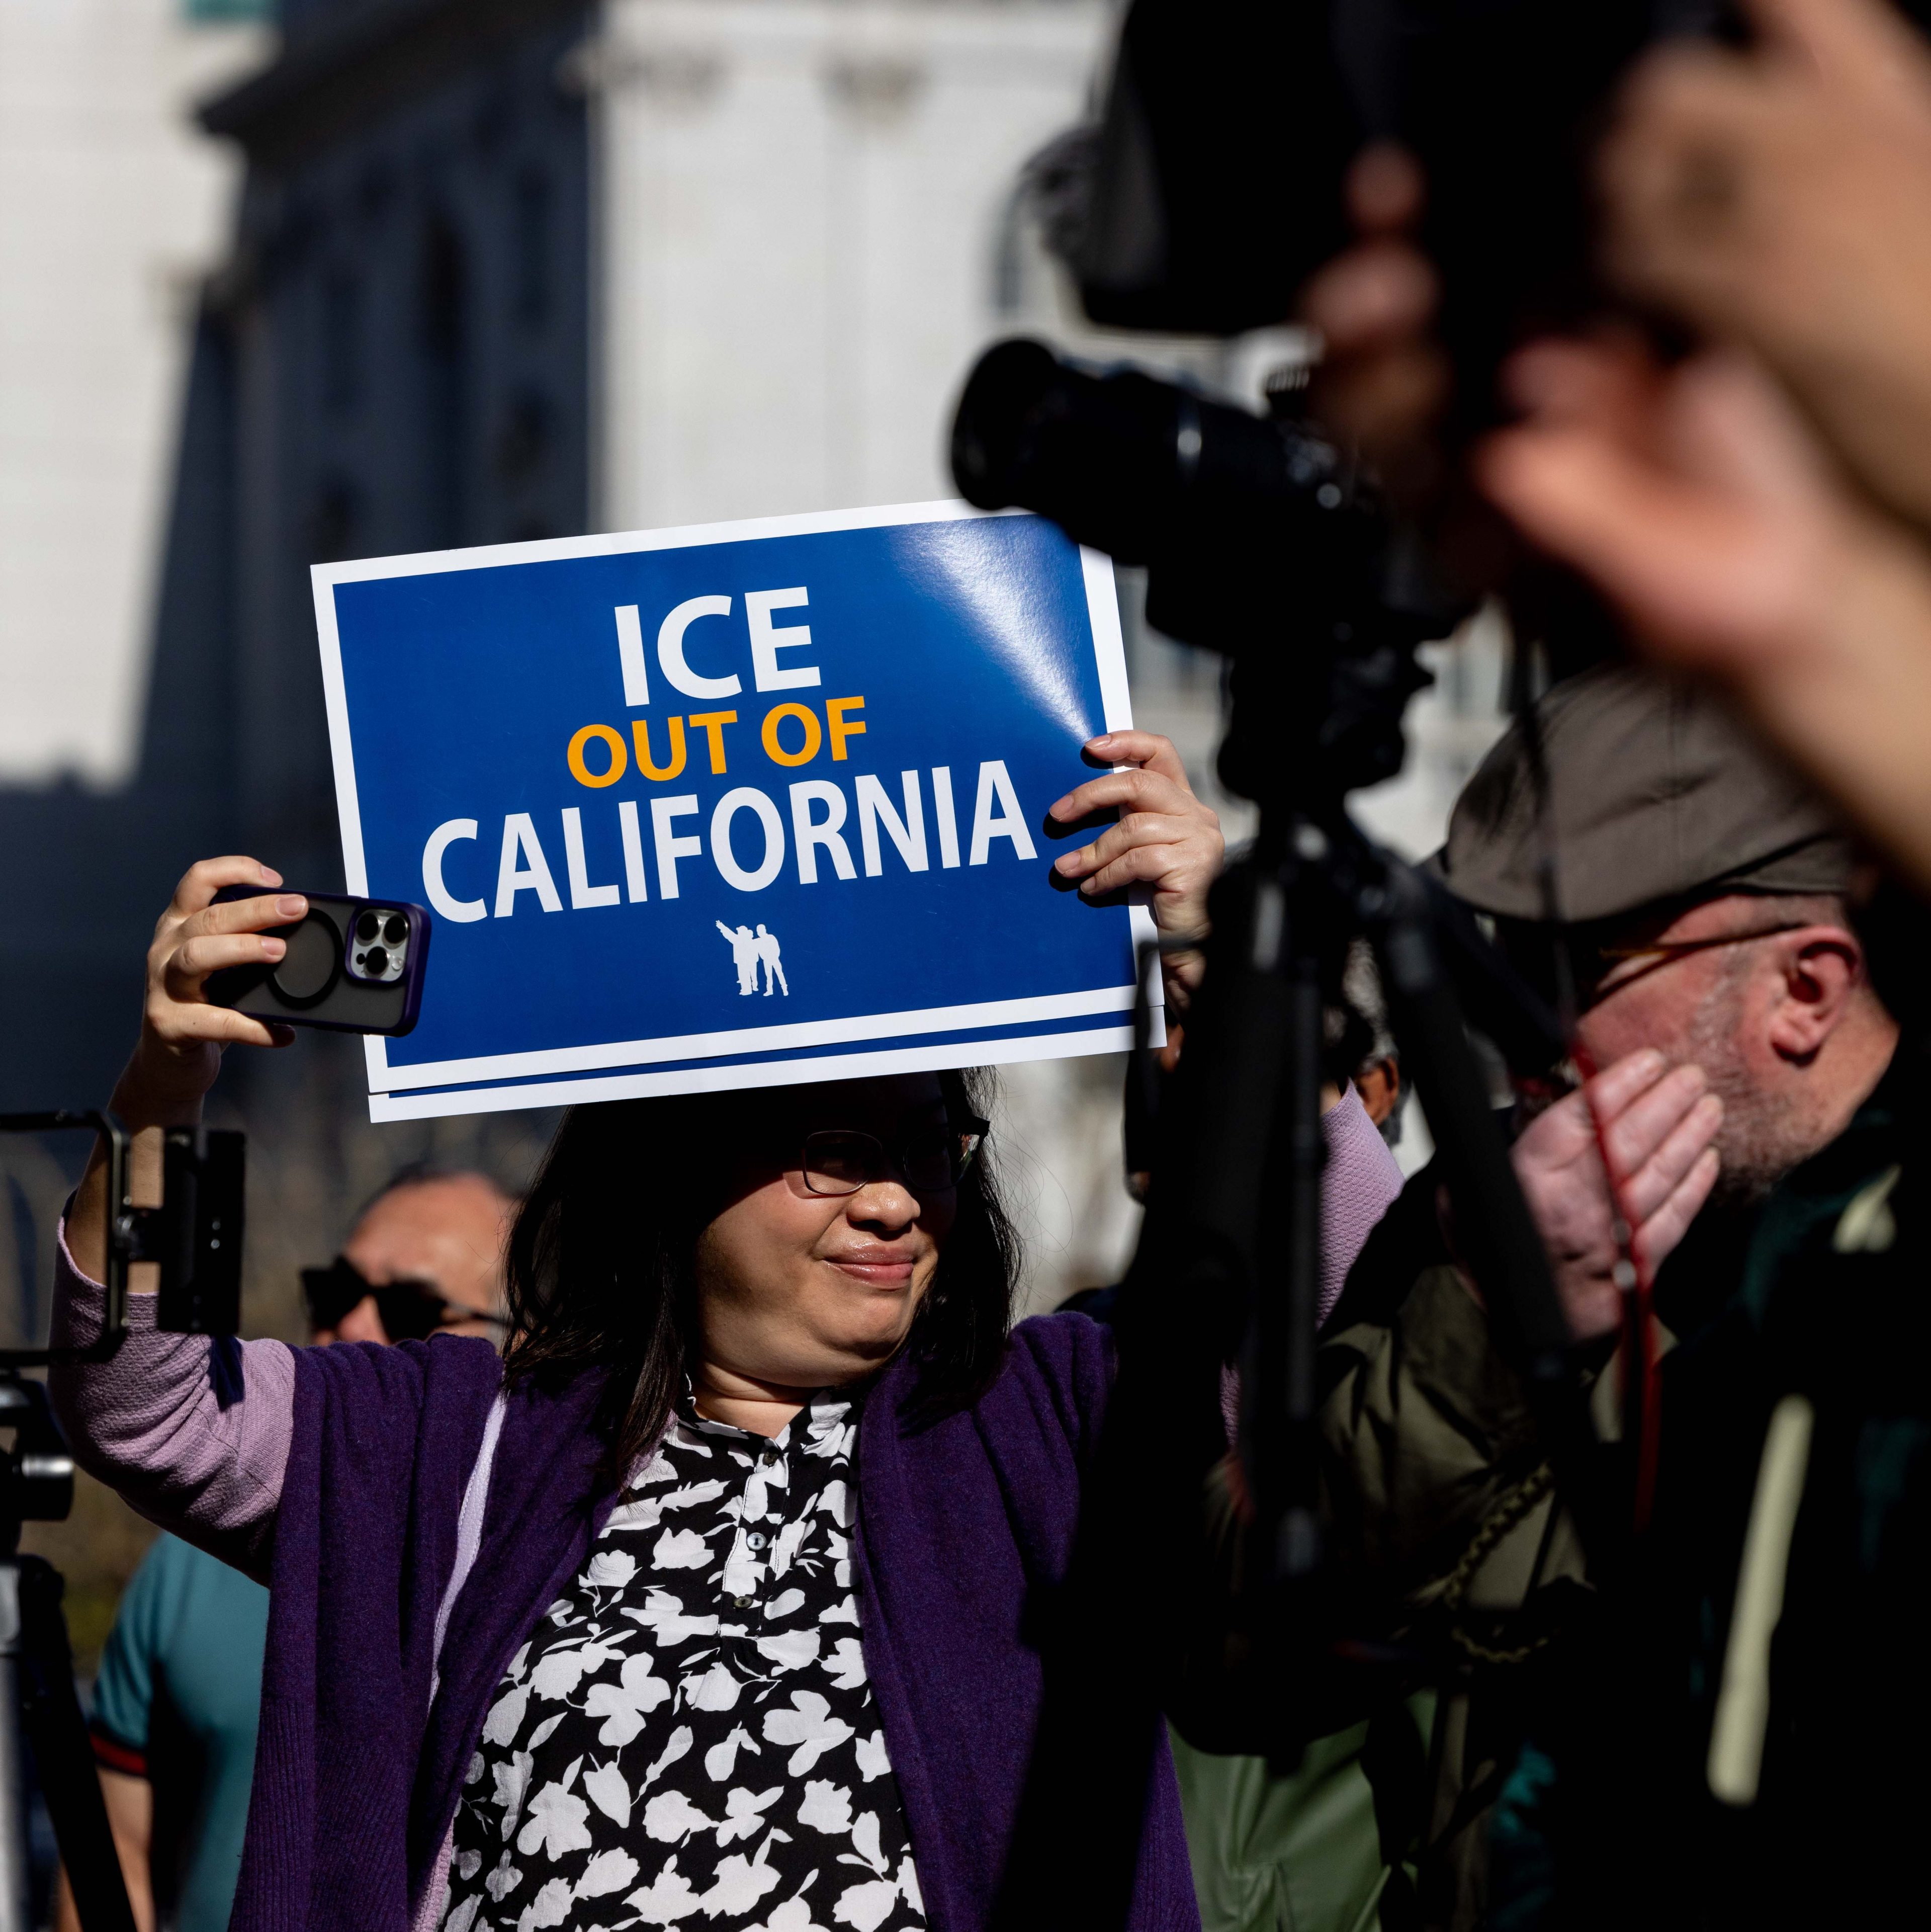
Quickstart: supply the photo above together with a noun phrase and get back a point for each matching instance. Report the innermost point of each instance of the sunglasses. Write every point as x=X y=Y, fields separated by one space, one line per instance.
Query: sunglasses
x=412 y=1311
x=934 y=1159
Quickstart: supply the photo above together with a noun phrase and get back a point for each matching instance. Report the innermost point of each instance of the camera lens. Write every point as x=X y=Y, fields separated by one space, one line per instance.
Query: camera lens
x=367 y=927
x=1148 y=471
x=395 y=929
x=1223 y=507
x=375 y=962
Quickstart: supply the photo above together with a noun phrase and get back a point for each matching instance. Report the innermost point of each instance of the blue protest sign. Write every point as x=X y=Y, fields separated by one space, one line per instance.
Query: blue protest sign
x=727 y=806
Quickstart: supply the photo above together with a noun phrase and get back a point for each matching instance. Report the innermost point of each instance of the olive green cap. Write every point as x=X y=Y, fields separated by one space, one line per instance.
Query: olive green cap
x=1656 y=793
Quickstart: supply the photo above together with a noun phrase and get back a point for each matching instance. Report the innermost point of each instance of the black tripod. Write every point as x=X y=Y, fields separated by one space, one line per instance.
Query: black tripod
x=175 y=1203
x=1228 y=1268
x=36 y=1679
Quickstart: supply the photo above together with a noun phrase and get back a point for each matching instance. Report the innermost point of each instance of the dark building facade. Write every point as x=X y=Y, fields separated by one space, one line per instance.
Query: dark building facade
x=406 y=323
x=396 y=357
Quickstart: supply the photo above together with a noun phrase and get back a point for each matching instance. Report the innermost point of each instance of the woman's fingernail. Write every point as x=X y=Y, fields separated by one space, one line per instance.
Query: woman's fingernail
x=270 y=877
x=274 y=949
x=291 y=905
x=1068 y=862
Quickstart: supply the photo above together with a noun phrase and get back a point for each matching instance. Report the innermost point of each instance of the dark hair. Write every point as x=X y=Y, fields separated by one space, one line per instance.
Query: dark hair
x=602 y=1262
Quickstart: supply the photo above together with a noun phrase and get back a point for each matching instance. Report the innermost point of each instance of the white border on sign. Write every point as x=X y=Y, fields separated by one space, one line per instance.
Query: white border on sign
x=752 y=1039
x=759 y=1073
x=1116 y=709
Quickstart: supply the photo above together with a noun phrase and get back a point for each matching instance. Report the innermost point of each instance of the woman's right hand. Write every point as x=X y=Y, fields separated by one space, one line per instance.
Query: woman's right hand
x=183 y=1034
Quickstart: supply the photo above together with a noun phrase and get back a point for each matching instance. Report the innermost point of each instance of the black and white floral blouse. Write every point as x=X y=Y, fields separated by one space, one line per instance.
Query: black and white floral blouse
x=689 y=1736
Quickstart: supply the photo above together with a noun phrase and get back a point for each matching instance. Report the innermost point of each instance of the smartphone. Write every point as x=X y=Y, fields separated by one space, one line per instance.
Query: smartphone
x=351 y=966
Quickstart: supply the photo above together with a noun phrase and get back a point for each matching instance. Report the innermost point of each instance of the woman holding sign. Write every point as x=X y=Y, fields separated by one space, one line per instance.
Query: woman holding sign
x=706 y=1602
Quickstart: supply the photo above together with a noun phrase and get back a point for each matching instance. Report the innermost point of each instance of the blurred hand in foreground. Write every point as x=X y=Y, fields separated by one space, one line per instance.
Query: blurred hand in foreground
x=1165 y=838
x=1698 y=501
x=1660 y=1126
x=1384 y=381
x=1780 y=196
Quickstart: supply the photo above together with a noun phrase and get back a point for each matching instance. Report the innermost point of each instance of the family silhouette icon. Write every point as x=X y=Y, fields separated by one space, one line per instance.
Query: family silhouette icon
x=751 y=950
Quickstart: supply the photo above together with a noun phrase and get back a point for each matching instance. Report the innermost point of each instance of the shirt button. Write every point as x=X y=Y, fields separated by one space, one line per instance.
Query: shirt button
x=742 y=1603
x=757 y=1540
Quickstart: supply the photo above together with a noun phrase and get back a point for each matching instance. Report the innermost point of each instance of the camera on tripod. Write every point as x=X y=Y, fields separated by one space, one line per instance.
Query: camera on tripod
x=1264 y=540
x=1261 y=540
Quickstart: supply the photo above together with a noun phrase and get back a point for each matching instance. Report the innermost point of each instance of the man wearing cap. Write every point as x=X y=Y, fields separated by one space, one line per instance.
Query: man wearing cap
x=1686 y=897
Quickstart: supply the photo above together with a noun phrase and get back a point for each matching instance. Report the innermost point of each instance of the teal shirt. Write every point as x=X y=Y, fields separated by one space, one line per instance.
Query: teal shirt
x=180 y=1693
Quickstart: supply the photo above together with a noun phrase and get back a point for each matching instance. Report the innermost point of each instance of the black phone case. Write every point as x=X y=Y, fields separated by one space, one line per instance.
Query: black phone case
x=313 y=985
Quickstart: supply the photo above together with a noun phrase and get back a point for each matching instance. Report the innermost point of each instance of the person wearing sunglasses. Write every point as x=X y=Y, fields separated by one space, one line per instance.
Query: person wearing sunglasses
x=425 y=1257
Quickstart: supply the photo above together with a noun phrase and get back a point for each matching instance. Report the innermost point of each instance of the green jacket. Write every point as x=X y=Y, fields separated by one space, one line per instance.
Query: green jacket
x=1441 y=1508
x=1312 y=1844
x=1288 y=1851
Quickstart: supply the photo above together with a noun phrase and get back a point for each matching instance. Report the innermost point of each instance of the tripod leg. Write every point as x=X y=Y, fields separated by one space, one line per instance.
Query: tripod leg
x=1277 y=1394
x=15 y=1915
x=51 y=1716
x=1109 y=1632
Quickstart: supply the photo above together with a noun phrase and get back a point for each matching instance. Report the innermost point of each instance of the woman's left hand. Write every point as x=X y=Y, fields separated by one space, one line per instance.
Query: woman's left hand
x=1166 y=838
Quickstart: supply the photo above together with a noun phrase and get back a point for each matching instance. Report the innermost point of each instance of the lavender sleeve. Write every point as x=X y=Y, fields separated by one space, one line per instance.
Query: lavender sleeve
x=1358 y=1186
x=193 y=1432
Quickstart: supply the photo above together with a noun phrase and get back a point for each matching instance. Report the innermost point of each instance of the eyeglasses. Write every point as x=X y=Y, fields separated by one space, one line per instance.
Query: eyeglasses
x=841 y=1160
x=1659 y=952
x=412 y=1311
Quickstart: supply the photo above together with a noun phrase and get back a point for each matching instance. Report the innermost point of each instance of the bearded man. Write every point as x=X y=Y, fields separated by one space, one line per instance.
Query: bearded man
x=1755 y=1108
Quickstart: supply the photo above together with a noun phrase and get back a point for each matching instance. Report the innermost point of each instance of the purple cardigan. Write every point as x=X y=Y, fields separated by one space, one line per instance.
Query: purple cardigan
x=357 y=1770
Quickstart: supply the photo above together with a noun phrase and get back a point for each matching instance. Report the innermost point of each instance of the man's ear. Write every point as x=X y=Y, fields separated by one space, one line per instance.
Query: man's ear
x=1823 y=968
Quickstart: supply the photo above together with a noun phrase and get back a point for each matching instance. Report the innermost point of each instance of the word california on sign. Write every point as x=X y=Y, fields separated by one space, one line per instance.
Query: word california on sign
x=730 y=806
